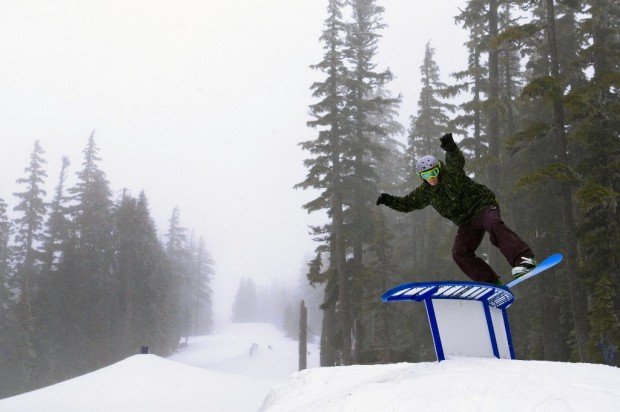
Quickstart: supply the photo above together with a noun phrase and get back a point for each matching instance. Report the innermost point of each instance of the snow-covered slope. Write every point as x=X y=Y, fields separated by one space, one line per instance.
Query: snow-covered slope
x=272 y=355
x=247 y=367
x=214 y=373
x=464 y=384
x=144 y=383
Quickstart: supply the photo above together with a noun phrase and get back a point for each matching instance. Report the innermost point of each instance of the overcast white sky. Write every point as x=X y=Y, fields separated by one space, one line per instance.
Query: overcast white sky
x=199 y=103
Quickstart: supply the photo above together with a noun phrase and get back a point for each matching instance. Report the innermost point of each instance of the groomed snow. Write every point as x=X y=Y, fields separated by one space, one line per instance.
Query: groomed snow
x=214 y=373
x=461 y=384
x=143 y=383
x=274 y=356
x=218 y=373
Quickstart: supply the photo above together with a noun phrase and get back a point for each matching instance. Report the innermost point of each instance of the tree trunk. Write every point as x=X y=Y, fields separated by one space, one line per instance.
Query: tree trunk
x=493 y=136
x=328 y=331
x=386 y=356
x=576 y=289
x=303 y=336
x=339 y=243
x=477 y=114
x=343 y=283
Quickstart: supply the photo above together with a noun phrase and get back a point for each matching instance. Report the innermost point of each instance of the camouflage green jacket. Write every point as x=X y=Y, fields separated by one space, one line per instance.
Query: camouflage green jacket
x=456 y=197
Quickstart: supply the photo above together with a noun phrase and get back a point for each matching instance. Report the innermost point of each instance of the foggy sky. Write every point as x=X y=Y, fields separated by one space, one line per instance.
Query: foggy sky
x=199 y=103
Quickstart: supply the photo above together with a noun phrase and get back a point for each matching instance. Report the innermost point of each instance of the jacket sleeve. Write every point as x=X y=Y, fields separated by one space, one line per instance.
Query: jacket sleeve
x=455 y=158
x=418 y=199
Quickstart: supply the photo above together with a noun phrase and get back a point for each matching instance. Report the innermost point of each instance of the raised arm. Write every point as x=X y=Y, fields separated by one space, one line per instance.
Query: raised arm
x=418 y=199
x=454 y=156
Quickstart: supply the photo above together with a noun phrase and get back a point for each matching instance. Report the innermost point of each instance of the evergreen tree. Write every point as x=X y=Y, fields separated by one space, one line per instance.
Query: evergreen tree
x=592 y=115
x=290 y=323
x=374 y=344
x=143 y=277
x=367 y=139
x=5 y=234
x=432 y=118
x=29 y=227
x=180 y=262
x=605 y=327
x=327 y=169
x=201 y=292
x=58 y=221
x=472 y=120
x=10 y=379
x=363 y=134
x=28 y=237
x=493 y=102
x=50 y=295
x=545 y=89
x=92 y=263
x=431 y=122
x=244 y=305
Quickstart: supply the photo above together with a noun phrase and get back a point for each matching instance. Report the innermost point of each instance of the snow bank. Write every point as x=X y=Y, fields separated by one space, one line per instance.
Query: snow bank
x=462 y=384
x=233 y=370
x=250 y=366
x=145 y=383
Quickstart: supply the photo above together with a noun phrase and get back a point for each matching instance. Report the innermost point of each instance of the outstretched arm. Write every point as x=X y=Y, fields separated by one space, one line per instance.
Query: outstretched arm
x=454 y=156
x=413 y=201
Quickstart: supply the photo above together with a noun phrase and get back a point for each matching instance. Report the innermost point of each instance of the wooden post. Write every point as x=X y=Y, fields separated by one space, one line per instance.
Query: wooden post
x=303 y=336
x=144 y=350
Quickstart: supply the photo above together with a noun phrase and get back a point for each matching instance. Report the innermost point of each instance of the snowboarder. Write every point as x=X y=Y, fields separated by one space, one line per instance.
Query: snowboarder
x=471 y=206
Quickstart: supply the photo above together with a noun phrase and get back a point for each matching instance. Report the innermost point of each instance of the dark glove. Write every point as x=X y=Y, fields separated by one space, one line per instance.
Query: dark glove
x=447 y=142
x=383 y=199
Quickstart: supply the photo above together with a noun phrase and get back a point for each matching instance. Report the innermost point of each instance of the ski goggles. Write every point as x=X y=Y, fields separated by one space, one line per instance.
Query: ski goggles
x=427 y=174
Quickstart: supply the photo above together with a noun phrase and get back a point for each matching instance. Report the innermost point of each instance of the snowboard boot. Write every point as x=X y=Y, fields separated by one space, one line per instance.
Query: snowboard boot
x=524 y=266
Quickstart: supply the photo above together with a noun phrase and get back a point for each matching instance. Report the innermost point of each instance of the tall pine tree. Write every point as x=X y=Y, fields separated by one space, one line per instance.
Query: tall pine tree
x=92 y=263
x=28 y=238
x=326 y=171
x=366 y=139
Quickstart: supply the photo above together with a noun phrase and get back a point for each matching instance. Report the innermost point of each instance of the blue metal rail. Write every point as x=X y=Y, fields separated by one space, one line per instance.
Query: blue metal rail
x=495 y=296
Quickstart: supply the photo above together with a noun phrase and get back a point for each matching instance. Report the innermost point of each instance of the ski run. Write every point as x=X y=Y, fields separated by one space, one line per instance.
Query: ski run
x=251 y=367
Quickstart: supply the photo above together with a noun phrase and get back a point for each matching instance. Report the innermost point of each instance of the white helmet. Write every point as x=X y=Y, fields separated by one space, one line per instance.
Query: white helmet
x=426 y=163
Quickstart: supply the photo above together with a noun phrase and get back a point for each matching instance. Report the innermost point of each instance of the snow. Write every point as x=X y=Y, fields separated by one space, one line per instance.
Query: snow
x=457 y=384
x=218 y=373
x=142 y=383
x=215 y=373
x=275 y=356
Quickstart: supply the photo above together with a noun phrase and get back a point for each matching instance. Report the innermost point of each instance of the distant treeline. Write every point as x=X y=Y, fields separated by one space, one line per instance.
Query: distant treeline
x=85 y=281
x=279 y=305
x=539 y=116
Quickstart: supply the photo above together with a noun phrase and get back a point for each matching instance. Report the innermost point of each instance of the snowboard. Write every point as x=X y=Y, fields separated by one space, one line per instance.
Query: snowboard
x=548 y=263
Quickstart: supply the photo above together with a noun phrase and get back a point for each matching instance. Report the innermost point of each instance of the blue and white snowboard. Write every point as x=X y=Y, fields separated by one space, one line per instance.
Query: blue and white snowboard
x=542 y=266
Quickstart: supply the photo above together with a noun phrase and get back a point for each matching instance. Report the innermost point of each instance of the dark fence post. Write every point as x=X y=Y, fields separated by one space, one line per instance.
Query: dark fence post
x=144 y=350
x=303 y=336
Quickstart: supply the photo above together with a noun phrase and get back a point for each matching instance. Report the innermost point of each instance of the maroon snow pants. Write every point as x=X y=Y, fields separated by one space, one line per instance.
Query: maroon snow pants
x=469 y=237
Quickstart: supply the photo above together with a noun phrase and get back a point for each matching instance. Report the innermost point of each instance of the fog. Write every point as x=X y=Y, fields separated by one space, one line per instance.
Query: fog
x=201 y=104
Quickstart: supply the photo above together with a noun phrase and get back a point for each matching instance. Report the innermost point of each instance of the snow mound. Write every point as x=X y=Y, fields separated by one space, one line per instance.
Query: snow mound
x=143 y=383
x=461 y=384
